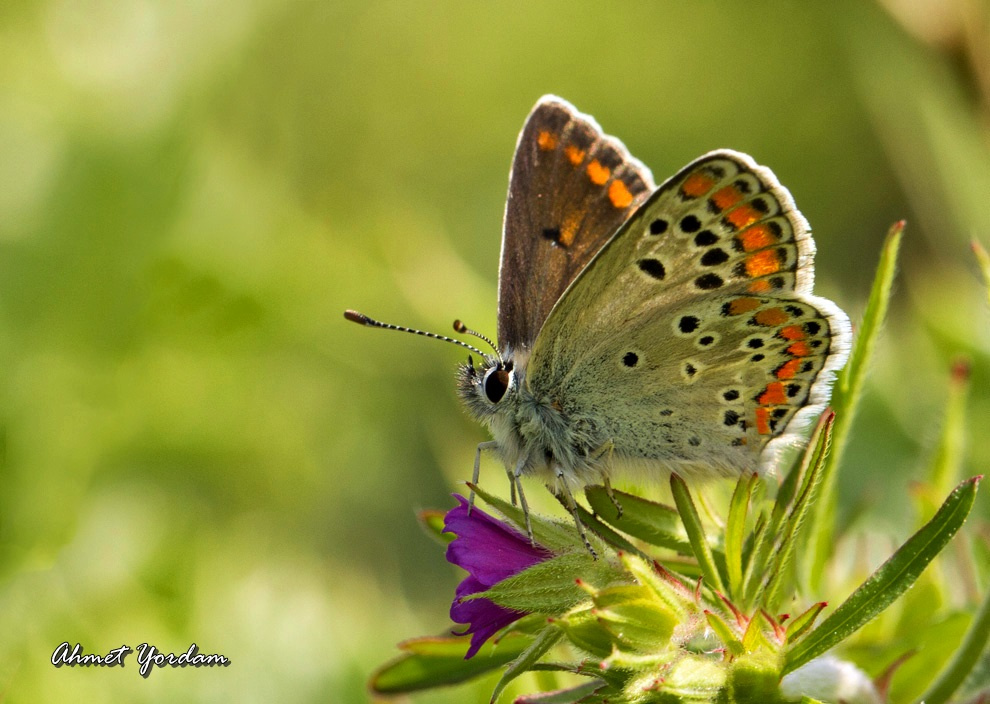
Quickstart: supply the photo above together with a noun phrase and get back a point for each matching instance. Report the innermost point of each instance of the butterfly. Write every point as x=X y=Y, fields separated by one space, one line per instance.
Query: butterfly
x=659 y=329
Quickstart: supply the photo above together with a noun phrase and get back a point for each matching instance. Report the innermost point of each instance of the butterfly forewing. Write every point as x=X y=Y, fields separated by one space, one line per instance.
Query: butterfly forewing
x=692 y=338
x=570 y=189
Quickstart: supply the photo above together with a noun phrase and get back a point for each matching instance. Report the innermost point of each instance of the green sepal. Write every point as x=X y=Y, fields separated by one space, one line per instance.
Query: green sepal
x=890 y=580
x=667 y=588
x=582 y=628
x=803 y=623
x=651 y=522
x=690 y=678
x=635 y=618
x=756 y=638
x=435 y=661
x=724 y=633
x=551 y=586
x=431 y=521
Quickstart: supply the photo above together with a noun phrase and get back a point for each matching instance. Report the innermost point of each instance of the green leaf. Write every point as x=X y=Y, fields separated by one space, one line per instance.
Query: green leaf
x=613 y=538
x=724 y=633
x=890 y=580
x=765 y=537
x=964 y=658
x=649 y=521
x=735 y=530
x=779 y=572
x=435 y=661
x=536 y=650
x=572 y=695
x=845 y=400
x=696 y=533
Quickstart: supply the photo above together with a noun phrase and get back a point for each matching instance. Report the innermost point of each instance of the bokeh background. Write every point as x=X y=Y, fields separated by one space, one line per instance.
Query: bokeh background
x=196 y=447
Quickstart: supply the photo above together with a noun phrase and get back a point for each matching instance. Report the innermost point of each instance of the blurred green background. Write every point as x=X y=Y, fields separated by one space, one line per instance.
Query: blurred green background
x=198 y=448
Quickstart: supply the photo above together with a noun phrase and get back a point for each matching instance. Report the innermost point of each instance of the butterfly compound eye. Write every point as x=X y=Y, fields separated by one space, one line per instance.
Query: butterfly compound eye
x=496 y=382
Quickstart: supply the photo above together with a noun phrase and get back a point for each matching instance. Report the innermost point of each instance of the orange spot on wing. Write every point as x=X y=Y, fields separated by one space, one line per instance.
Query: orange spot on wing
x=568 y=230
x=697 y=184
x=726 y=197
x=743 y=216
x=799 y=349
x=574 y=155
x=792 y=332
x=771 y=316
x=547 y=141
x=597 y=173
x=773 y=395
x=762 y=420
x=762 y=263
x=788 y=369
x=760 y=286
x=743 y=305
x=619 y=194
x=756 y=237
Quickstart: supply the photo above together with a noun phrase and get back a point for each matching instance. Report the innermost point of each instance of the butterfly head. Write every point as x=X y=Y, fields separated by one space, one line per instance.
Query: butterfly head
x=487 y=387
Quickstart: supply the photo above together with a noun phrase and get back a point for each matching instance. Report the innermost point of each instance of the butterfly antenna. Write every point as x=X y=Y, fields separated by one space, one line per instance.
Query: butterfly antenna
x=363 y=319
x=465 y=330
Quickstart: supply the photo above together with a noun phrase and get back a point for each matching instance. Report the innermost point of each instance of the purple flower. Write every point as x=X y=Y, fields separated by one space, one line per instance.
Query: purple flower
x=490 y=550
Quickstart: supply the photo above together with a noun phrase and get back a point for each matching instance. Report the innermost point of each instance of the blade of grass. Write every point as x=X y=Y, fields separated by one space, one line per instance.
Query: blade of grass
x=696 y=533
x=889 y=581
x=845 y=400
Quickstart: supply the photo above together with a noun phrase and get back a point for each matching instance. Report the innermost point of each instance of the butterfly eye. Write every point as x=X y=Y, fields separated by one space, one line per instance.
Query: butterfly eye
x=496 y=382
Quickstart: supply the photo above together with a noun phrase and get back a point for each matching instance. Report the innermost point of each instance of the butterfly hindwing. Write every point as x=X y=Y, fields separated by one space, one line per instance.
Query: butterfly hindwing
x=570 y=189
x=692 y=337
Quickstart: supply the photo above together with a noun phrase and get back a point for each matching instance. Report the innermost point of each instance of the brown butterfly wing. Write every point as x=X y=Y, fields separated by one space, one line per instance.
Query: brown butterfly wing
x=570 y=189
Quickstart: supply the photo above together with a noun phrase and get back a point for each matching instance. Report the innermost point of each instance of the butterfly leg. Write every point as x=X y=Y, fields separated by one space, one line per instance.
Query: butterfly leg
x=512 y=485
x=606 y=449
x=517 y=486
x=611 y=495
x=564 y=495
x=476 y=475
